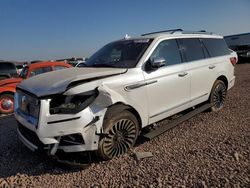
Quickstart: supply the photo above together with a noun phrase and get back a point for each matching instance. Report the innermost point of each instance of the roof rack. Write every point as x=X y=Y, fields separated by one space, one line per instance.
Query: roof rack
x=172 y=31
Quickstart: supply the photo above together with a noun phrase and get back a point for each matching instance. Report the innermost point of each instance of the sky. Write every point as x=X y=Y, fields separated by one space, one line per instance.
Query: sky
x=56 y=29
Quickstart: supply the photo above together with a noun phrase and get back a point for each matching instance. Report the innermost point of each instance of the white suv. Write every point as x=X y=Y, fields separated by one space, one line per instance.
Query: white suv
x=125 y=86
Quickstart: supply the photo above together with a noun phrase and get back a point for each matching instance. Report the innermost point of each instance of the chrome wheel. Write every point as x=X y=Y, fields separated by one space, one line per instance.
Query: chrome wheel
x=121 y=137
x=121 y=131
x=6 y=104
x=219 y=95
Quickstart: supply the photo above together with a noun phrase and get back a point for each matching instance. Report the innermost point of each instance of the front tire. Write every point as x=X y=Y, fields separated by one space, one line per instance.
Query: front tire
x=218 y=96
x=121 y=134
x=6 y=103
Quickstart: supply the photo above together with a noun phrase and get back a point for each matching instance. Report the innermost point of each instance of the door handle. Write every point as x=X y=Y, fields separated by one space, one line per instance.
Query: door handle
x=211 y=67
x=182 y=74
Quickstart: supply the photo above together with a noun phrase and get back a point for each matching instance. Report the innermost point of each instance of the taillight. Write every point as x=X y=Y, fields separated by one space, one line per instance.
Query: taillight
x=233 y=60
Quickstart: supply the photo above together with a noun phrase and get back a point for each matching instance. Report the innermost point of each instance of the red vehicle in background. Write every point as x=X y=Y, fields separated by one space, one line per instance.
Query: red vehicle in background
x=8 y=86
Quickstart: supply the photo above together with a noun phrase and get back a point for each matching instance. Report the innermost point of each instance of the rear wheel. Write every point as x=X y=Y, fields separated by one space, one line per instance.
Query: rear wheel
x=218 y=95
x=121 y=133
x=6 y=103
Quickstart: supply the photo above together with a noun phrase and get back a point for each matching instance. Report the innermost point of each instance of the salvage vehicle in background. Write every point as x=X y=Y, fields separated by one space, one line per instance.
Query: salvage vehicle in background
x=125 y=86
x=240 y=43
x=8 y=86
x=7 y=70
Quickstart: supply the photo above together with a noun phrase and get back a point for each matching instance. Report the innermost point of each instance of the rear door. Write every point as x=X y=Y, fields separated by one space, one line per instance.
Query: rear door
x=201 y=69
x=168 y=87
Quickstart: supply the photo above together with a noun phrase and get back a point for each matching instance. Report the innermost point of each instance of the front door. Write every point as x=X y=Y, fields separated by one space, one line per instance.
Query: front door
x=168 y=87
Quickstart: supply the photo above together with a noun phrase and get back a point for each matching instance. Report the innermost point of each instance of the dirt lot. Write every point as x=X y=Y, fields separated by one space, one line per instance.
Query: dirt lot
x=209 y=150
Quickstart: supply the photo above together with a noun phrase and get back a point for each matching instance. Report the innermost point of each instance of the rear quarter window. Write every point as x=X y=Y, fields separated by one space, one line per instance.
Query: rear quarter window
x=216 y=47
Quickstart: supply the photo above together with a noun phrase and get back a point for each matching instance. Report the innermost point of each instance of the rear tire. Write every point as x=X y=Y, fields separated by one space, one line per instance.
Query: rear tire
x=6 y=103
x=121 y=134
x=218 y=96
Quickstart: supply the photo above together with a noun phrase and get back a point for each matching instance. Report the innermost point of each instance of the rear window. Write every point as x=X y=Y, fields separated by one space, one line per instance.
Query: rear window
x=216 y=47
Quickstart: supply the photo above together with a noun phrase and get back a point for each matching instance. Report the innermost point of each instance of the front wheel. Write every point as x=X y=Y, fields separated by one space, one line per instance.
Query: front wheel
x=218 y=95
x=6 y=104
x=121 y=133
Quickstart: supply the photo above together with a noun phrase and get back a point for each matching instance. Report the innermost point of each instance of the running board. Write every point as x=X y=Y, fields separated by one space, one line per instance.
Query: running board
x=158 y=131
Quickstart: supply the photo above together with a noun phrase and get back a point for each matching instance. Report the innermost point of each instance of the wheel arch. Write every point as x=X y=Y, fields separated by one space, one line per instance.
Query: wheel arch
x=119 y=107
x=223 y=79
x=7 y=92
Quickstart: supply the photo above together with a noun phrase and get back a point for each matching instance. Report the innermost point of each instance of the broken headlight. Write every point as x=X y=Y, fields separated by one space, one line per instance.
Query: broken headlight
x=72 y=104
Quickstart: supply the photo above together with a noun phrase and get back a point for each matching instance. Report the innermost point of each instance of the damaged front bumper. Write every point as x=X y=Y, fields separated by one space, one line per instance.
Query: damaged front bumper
x=67 y=132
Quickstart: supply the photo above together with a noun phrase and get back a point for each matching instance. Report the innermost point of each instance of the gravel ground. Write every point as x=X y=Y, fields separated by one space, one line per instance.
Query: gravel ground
x=209 y=150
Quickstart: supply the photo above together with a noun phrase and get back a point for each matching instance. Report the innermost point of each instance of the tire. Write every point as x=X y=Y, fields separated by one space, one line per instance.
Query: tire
x=6 y=103
x=121 y=134
x=217 y=96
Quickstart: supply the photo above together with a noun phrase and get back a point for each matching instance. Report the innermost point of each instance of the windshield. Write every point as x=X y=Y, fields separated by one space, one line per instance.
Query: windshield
x=24 y=72
x=121 y=54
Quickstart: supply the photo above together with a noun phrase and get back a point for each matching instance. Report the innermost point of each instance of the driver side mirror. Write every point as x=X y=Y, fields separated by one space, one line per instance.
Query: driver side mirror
x=157 y=62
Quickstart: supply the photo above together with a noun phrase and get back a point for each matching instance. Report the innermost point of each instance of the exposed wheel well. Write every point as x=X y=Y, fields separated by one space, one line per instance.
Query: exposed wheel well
x=223 y=79
x=119 y=107
x=7 y=92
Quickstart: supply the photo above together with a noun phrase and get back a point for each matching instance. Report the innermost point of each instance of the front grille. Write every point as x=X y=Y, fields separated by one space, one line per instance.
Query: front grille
x=30 y=135
x=72 y=139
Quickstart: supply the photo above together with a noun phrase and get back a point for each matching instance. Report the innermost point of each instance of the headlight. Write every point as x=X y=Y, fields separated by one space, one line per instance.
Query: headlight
x=72 y=104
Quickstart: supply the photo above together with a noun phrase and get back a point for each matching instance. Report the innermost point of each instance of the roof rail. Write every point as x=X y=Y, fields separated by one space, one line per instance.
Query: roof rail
x=171 y=31
x=197 y=32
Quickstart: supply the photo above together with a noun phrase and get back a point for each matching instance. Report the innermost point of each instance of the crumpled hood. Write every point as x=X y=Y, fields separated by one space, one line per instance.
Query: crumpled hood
x=57 y=81
x=9 y=81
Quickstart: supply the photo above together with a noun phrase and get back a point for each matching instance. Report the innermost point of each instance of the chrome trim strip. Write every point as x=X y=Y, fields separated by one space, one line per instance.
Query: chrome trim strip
x=26 y=142
x=138 y=85
x=179 y=105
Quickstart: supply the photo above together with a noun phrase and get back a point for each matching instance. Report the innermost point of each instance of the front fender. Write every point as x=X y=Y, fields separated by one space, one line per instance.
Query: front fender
x=7 y=89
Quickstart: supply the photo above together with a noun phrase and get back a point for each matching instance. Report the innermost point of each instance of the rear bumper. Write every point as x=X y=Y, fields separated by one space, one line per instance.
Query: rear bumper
x=231 y=83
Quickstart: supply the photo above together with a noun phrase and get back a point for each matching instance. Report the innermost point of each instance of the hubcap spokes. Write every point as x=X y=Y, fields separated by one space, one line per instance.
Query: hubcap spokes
x=121 y=136
x=219 y=95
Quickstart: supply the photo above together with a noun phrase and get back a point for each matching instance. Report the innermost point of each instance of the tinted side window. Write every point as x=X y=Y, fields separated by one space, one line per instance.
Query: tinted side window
x=168 y=50
x=216 y=47
x=40 y=71
x=192 y=49
x=8 y=68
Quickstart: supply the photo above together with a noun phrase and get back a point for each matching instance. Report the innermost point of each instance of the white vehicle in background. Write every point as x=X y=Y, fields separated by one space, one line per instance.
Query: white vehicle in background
x=125 y=86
